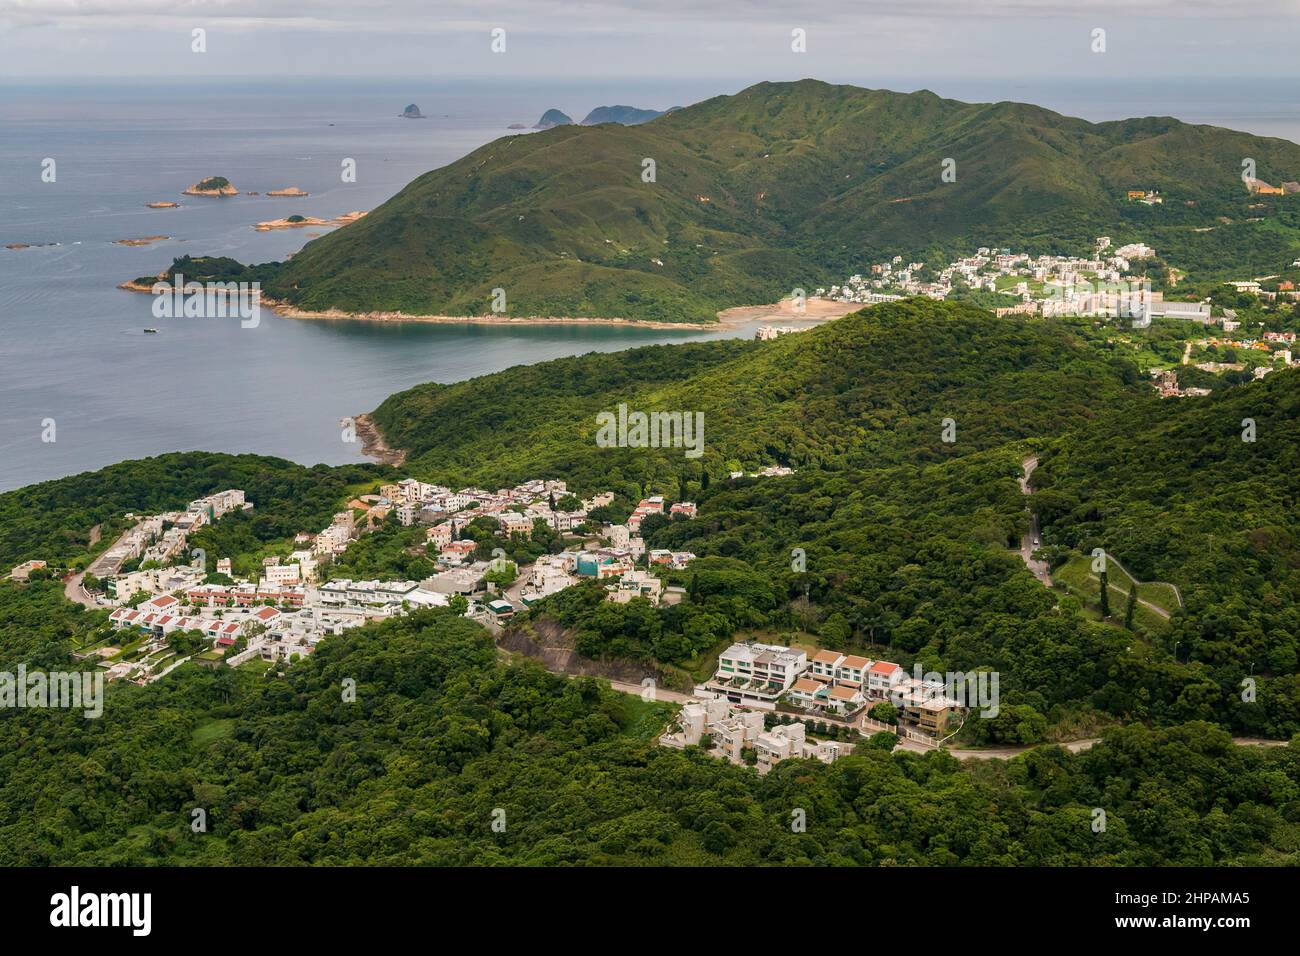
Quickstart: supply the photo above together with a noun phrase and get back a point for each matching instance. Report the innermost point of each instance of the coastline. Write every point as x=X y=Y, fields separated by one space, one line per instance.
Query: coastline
x=816 y=310
x=373 y=445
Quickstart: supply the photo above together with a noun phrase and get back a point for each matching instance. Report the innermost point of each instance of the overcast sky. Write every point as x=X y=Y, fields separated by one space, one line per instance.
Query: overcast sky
x=736 y=40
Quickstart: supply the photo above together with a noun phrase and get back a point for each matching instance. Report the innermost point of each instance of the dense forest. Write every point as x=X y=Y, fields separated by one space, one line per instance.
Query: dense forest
x=871 y=389
x=906 y=545
x=448 y=756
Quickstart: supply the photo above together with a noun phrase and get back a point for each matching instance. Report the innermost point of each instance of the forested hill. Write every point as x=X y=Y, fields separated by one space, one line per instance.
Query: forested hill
x=444 y=736
x=871 y=389
x=787 y=185
x=910 y=547
x=1178 y=493
x=908 y=535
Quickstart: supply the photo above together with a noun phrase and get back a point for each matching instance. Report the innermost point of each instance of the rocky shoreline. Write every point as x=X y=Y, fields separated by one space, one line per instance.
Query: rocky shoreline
x=373 y=444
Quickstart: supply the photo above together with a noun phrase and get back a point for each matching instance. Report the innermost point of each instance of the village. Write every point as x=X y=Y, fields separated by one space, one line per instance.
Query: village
x=757 y=708
x=1102 y=286
x=158 y=588
x=1047 y=285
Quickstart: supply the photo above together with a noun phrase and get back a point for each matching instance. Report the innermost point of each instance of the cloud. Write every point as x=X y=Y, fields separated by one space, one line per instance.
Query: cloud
x=420 y=16
x=856 y=40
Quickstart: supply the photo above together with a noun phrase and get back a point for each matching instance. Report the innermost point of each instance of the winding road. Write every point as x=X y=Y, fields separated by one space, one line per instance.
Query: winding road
x=1039 y=568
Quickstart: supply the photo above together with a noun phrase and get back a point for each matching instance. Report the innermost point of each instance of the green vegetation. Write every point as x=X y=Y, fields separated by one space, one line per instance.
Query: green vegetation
x=53 y=520
x=869 y=390
x=442 y=734
x=887 y=541
x=787 y=185
x=1077 y=577
x=1182 y=498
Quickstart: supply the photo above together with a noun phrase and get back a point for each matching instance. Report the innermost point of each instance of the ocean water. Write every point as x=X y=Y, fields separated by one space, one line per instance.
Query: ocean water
x=72 y=349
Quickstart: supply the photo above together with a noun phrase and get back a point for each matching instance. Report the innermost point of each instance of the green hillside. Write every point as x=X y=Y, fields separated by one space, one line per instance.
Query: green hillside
x=910 y=555
x=908 y=536
x=870 y=389
x=1181 y=498
x=787 y=185
x=444 y=737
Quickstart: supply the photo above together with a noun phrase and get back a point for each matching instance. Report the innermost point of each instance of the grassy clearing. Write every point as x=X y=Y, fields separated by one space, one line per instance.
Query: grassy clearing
x=1077 y=576
x=211 y=731
x=644 y=719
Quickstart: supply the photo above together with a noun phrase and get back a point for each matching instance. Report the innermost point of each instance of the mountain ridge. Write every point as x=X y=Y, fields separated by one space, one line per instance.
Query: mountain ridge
x=740 y=199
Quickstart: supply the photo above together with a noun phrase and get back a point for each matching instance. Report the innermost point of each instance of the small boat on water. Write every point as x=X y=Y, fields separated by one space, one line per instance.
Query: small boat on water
x=151 y=331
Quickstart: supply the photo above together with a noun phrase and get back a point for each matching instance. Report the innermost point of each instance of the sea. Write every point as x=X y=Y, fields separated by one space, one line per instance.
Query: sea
x=82 y=385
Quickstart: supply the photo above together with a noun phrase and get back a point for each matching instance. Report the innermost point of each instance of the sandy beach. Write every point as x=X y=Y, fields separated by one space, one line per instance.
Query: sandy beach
x=816 y=310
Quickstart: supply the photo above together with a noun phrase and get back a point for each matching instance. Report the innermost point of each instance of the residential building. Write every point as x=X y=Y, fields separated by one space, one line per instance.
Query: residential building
x=756 y=675
x=635 y=583
x=23 y=571
x=881 y=676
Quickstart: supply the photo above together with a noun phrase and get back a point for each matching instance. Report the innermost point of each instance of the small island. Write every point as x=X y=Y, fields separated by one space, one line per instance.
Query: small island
x=296 y=222
x=287 y=191
x=412 y=112
x=553 y=118
x=213 y=186
x=147 y=240
x=163 y=204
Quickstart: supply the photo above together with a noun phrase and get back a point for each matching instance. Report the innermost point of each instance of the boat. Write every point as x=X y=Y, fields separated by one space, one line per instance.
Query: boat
x=152 y=331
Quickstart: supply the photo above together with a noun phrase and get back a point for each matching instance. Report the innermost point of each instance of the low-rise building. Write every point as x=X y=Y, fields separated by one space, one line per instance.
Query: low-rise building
x=635 y=583
x=755 y=675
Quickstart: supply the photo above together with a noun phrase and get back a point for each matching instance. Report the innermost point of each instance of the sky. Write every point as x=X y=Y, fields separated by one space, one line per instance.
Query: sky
x=739 y=41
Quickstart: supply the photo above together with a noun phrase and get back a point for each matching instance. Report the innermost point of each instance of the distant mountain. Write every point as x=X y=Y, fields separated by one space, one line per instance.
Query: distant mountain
x=412 y=112
x=553 y=118
x=787 y=185
x=627 y=115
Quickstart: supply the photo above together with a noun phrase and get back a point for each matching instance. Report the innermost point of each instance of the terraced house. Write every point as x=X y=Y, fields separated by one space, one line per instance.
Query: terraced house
x=757 y=674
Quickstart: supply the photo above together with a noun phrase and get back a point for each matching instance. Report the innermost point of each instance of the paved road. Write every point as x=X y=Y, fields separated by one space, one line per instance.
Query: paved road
x=1039 y=568
x=73 y=591
x=661 y=693
x=1074 y=746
